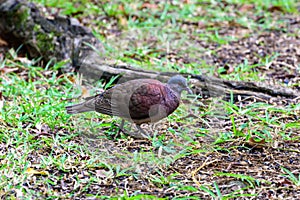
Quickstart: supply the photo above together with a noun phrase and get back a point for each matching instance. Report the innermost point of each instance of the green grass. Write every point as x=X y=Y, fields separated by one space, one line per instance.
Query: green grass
x=156 y=28
x=291 y=176
x=43 y=148
x=34 y=123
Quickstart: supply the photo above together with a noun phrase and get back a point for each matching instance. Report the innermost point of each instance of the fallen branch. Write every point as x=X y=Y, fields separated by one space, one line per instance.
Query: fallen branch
x=61 y=38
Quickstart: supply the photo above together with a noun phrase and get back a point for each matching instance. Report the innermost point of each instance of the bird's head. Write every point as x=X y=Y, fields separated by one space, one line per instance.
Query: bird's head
x=178 y=84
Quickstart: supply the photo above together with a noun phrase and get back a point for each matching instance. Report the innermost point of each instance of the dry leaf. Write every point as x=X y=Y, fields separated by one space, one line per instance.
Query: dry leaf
x=121 y=8
x=32 y=171
x=122 y=20
x=102 y=173
x=3 y=42
x=149 y=5
x=229 y=69
x=284 y=182
x=276 y=8
x=24 y=60
x=253 y=142
x=6 y=70
x=246 y=7
x=233 y=23
x=71 y=78
x=85 y=92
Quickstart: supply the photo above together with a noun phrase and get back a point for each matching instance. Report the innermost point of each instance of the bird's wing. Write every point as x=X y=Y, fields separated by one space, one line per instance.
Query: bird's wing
x=146 y=100
x=133 y=99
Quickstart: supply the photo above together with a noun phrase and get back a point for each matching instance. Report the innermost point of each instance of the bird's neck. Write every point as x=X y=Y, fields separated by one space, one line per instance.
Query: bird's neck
x=175 y=90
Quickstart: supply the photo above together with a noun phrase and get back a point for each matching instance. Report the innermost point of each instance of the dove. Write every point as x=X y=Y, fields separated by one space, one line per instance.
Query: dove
x=138 y=101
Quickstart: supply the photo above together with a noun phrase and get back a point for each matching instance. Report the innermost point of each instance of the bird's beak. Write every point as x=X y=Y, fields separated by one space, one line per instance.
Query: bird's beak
x=189 y=91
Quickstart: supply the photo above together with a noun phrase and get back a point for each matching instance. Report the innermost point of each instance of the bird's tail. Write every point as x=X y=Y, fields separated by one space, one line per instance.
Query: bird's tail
x=78 y=108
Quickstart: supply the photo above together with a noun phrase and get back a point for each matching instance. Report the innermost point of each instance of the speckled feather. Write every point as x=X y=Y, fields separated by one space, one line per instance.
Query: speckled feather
x=140 y=101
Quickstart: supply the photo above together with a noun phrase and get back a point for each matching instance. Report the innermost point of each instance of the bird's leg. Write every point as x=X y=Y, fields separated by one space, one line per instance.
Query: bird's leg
x=141 y=133
x=121 y=126
x=153 y=127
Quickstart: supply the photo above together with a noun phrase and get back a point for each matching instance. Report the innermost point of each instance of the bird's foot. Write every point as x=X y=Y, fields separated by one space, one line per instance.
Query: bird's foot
x=140 y=134
x=121 y=129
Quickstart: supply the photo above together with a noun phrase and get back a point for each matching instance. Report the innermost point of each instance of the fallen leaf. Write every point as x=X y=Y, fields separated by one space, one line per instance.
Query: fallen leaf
x=24 y=60
x=254 y=142
x=122 y=20
x=72 y=79
x=102 y=173
x=32 y=171
x=121 y=8
x=276 y=9
x=284 y=182
x=229 y=69
x=3 y=42
x=233 y=23
x=6 y=70
x=149 y=5
x=246 y=7
x=85 y=92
